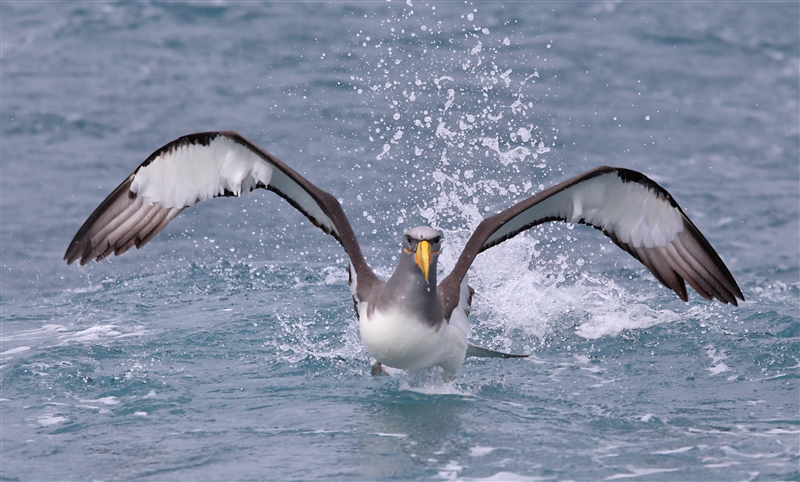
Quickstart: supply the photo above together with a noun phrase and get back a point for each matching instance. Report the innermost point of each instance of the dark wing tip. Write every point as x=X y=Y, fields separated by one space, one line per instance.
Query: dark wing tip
x=690 y=258
x=698 y=247
x=81 y=245
x=137 y=226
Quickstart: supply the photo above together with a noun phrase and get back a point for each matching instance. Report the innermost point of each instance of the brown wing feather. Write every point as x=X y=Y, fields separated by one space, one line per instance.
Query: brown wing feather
x=688 y=256
x=124 y=219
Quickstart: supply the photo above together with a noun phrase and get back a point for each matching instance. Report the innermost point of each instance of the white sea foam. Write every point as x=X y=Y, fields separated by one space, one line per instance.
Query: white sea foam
x=64 y=335
x=640 y=472
x=101 y=333
x=433 y=387
x=480 y=451
x=450 y=471
x=717 y=366
x=46 y=420
x=508 y=477
x=37 y=333
x=92 y=334
x=621 y=318
x=111 y=400
x=780 y=431
x=16 y=350
x=674 y=451
x=514 y=288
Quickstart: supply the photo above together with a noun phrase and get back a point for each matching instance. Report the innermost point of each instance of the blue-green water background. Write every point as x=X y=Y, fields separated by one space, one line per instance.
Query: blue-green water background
x=227 y=348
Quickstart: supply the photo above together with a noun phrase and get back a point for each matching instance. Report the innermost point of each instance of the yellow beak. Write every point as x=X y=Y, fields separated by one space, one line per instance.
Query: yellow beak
x=423 y=257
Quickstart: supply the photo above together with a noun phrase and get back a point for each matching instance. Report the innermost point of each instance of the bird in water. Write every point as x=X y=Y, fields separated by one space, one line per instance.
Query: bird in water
x=411 y=320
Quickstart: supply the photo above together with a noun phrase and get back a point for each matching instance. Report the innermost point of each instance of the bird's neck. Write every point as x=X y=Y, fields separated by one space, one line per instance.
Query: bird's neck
x=413 y=295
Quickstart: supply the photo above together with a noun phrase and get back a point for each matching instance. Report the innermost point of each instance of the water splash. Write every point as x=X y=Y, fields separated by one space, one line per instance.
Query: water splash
x=447 y=117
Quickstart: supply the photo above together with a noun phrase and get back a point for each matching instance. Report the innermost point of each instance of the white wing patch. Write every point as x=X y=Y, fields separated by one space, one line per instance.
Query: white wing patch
x=186 y=171
x=633 y=212
x=636 y=214
x=192 y=173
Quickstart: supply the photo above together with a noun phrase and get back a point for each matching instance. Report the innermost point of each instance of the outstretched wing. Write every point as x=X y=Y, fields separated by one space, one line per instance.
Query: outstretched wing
x=640 y=216
x=194 y=168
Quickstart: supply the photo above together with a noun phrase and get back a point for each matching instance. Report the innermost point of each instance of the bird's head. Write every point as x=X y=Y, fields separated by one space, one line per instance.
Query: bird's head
x=423 y=243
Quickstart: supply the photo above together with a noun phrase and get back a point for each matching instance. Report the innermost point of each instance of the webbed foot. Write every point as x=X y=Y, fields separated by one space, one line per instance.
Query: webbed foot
x=375 y=368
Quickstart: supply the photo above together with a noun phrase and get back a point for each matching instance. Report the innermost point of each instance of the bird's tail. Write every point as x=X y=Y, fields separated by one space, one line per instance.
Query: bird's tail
x=477 y=351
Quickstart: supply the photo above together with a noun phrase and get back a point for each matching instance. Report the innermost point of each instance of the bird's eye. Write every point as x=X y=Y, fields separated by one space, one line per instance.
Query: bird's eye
x=436 y=240
x=409 y=239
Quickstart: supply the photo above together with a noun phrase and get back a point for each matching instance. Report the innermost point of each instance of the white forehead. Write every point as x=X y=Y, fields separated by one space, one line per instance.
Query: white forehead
x=423 y=232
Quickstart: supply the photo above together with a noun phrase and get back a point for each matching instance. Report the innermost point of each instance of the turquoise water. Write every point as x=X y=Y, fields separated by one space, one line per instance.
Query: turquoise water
x=227 y=348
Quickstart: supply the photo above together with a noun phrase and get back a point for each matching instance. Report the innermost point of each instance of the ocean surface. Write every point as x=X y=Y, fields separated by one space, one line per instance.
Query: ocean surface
x=228 y=349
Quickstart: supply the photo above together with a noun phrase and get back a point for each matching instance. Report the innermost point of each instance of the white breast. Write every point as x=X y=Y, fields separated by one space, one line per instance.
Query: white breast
x=397 y=341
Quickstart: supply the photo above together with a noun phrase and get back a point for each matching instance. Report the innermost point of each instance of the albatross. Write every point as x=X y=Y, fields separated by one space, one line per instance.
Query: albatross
x=411 y=320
